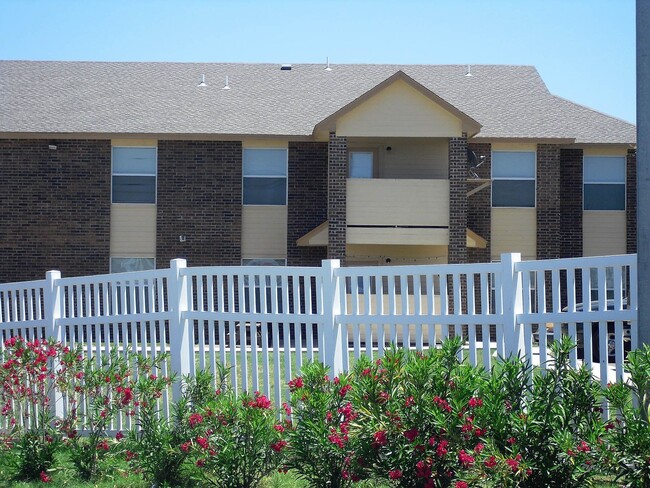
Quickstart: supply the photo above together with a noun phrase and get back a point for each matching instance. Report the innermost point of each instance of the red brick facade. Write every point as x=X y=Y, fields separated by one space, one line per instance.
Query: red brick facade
x=458 y=170
x=479 y=205
x=55 y=208
x=307 y=204
x=199 y=196
x=548 y=201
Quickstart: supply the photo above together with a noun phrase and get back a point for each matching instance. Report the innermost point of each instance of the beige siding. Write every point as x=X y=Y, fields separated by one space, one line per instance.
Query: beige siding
x=514 y=146
x=135 y=142
x=133 y=230
x=415 y=158
x=265 y=143
x=397 y=236
x=264 y=232
x=603 y=233
x=398 y=254
x=514 y=230
x=605 y=151
x=397 y=202
x=399 y=110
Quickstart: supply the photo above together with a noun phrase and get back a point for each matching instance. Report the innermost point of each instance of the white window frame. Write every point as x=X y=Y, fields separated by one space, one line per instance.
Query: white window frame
x=148 y=175
x=585 y=183
x=286 y=177
x=501 y=178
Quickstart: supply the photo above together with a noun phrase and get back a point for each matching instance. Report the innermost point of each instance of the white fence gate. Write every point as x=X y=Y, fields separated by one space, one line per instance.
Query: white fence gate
x=264 y=322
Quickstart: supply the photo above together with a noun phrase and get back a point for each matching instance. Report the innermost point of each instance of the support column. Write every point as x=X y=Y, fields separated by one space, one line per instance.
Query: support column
x=337 y=172
x=630 y=206
x=548 y=201
x=457 y=251
x=571 y=203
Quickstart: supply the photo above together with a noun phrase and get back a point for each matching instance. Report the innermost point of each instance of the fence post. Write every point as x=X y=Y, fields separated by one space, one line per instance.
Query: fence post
x=331 y=310
x=511 y=294
x=52 y=312
x=179 y=337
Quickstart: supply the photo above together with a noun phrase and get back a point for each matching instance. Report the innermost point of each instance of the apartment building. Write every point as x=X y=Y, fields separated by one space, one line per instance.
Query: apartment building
x=123 y=166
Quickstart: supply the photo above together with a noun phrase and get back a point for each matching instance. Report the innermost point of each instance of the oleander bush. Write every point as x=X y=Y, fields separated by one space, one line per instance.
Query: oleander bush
x=407 y=419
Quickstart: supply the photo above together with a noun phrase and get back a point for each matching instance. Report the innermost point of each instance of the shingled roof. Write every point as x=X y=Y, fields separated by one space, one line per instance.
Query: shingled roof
x=164 y=99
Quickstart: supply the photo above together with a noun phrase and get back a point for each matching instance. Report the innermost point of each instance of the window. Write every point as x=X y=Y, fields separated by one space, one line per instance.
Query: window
x=513 y=179
x=604 y=183
x=265 y=177
x=124 y=265
x=361 y=164
x=266 y=286
x=134 y=175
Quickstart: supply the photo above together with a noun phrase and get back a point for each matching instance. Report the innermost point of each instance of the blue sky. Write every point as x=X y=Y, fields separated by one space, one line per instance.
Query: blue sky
x=584 y=49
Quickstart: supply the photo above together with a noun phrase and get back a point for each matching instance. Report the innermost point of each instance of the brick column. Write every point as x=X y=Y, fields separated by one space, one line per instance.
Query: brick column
x=571 y=203
x=457 y=251
x=307 y=205
x=199 y=197
x=631 y=205
x=479 y=205
x=337 y=172
x=548 y=201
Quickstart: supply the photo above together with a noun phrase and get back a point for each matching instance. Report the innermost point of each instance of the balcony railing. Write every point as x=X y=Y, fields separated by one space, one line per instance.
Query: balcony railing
x=397 y=211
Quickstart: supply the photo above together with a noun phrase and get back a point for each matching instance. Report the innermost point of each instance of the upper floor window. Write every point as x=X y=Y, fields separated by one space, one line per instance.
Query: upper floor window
x=361 y=164
x=265 y=177
x=604 y=182
x=134 y=175
x=123 y=265
x=513 y=179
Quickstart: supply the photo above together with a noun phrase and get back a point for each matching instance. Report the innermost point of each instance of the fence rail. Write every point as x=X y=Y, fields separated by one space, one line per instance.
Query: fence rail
x=264 y=322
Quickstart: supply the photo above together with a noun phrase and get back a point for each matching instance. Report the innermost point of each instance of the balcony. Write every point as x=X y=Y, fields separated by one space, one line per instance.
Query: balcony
x=398 y=211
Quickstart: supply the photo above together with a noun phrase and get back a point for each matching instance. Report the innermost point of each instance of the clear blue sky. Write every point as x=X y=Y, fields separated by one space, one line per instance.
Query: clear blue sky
x=584 y=49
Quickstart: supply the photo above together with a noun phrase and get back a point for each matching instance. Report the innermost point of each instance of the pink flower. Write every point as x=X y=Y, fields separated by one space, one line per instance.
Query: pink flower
x=441 y=450
x=395 y=474
x=200 y=463
x=279 y=427
x=411 y=434
x=465 y=459
x=295 y=383
x=203 y=442
x=461 y=484
x=490 y=463
x=45 y=478
x=195 y=419
x=422 y=470
x=475 y=402
x=344 y=391
x=119 y=436
x=379 y=439
x=278 y=446
x=185 y=446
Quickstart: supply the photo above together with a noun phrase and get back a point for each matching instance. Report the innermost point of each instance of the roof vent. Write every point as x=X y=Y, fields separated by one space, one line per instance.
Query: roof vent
x=226 y=86
x=469 y=71
x=202 y=83
x=285 y=67
x=327 y=68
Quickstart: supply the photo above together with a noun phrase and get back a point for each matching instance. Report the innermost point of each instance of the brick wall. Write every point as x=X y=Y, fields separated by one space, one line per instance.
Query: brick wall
x=199 y=195
x=457 y=252
x=479 y=205
x=548 y=201
x=307 y=205
x=631 y=204
x=337 y=164
x=54 y=208
x=571 y=203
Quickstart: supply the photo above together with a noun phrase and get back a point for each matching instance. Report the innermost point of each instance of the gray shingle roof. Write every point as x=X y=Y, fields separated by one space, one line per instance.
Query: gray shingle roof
x=163 y=98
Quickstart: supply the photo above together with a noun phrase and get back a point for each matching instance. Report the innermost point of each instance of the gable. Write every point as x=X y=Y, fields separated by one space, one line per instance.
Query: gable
x=399 y=110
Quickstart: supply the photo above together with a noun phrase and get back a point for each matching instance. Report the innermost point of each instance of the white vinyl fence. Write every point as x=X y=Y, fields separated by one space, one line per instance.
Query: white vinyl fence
x=264 y=322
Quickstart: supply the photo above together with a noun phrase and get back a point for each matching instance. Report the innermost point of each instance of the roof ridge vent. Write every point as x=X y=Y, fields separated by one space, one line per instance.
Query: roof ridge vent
x=285 y=67
x=469 y=71
x=202 y=82
x=328 y=68
x=227 y=85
